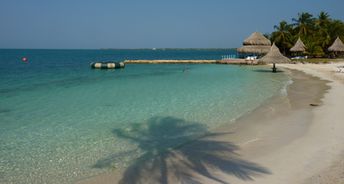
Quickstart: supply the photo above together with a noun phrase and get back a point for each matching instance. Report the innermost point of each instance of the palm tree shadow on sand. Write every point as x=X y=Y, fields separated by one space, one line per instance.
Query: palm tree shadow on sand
x=177 y=151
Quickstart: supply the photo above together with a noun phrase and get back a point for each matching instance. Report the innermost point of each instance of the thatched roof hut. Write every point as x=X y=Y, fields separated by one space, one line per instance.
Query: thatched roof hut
x=255 y=49
x=299 y=46
x=256 y=43
x=257 y=38
x=274 y=56
x=337 y=46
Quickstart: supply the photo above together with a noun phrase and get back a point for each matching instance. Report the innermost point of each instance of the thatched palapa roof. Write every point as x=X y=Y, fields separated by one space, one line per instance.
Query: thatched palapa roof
x=337 y=46
x=257 y=38
x=299 y=46
x=274 y=56
x=256 y=43
x=257 y=49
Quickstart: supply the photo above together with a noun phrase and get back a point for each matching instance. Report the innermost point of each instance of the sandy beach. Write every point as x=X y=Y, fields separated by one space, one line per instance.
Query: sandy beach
x=302 y=143
x=292 y=138
x=329 y=167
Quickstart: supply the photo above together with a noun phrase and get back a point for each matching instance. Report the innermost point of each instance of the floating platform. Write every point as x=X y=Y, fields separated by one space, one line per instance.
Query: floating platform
x=107 y=65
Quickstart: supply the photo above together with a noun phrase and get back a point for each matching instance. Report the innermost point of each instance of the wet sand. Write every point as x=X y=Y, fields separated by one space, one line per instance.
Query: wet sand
x=286 y=140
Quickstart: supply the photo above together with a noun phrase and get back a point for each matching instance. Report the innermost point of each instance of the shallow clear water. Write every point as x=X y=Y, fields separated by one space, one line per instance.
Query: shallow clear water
x=57 y=115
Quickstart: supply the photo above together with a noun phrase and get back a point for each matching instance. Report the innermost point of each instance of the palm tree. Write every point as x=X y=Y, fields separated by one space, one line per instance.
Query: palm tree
x=304 y=23
x=314 y=48
x=336 y=28
x=318 y=32
x=282 y=36
x=323 y=19
x=322 y=25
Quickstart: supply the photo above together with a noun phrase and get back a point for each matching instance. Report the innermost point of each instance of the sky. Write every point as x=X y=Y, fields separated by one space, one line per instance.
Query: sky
x=94 y=24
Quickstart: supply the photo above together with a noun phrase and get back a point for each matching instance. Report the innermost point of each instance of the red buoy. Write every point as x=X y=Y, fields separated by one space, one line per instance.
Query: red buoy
x=24 y=59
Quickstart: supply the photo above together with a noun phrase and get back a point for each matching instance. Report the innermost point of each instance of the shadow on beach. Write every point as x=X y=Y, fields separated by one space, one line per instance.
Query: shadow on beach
x=177 y=151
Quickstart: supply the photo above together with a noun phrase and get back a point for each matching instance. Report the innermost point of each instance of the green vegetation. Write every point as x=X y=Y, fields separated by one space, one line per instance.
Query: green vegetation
x=317 y=33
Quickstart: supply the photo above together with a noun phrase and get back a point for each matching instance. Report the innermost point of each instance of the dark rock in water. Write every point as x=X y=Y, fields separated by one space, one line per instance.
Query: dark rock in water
x=314 y=104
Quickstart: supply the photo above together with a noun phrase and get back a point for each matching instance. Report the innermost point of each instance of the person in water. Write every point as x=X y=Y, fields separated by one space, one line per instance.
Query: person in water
x=185 y=69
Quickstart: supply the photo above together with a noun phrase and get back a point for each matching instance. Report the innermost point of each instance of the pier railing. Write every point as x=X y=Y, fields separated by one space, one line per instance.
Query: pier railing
x=230 y=56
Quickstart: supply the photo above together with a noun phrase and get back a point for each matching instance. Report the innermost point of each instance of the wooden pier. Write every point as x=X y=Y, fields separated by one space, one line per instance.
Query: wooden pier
x=225 y=61
x=170 y=61
x=238 y=62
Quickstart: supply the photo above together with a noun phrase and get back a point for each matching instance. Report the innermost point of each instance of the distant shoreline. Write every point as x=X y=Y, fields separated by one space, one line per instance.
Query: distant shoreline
x=167 y=48
x=117 y=48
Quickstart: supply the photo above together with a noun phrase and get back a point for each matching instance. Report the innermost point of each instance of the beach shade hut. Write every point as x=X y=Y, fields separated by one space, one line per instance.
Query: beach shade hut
x=255 y=44
x=299 y=47
x=274 y=56
x=337 y=46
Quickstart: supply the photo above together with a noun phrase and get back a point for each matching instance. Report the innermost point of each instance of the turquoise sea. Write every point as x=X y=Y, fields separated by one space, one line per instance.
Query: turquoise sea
x=58 y=116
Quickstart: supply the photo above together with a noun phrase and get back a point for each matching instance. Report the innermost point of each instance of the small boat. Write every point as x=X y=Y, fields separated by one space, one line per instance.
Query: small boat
x=107 y=65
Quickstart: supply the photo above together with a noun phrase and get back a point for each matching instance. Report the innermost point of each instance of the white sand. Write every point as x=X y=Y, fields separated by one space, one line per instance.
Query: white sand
x=320 y=151
x=324 y=71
